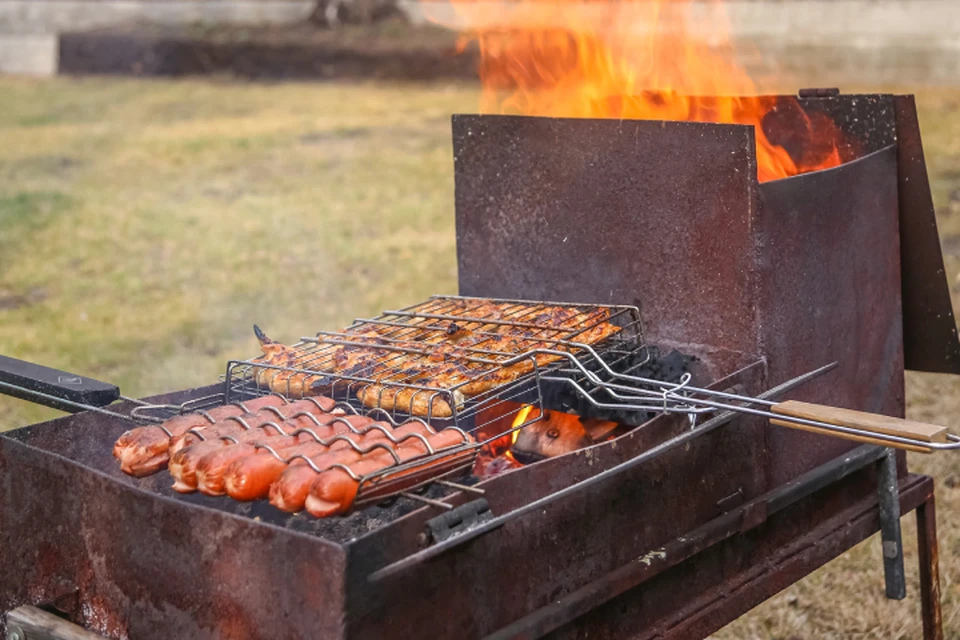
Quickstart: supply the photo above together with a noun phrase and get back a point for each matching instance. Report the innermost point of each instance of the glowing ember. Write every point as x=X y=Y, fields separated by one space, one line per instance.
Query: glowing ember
x=638 y=59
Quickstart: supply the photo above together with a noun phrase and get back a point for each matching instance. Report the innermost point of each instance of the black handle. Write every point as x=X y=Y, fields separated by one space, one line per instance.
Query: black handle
x=52 y=387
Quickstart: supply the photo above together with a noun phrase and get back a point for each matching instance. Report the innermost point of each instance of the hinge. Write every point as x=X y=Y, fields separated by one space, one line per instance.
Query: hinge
x=450 y=524
x=819 y=93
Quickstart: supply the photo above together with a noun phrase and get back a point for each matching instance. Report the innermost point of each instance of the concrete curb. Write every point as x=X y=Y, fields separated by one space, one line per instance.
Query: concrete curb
x=52 y=16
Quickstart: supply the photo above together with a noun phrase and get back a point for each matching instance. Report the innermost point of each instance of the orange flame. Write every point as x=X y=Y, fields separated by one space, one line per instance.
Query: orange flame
x=640 y=59
x=519 y=420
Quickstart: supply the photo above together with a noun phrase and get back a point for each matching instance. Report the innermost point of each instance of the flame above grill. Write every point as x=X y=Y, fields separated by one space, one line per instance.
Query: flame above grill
x=638 y=59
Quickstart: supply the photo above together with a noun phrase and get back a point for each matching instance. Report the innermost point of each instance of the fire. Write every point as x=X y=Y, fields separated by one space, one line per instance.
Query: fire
x=520 y=418
x=639 y=59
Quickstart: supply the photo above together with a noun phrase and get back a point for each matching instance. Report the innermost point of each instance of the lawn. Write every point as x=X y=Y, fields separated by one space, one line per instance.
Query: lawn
x=146 y=225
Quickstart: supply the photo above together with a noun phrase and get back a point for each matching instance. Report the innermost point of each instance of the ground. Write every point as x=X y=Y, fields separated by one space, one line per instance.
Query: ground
x=145 y=225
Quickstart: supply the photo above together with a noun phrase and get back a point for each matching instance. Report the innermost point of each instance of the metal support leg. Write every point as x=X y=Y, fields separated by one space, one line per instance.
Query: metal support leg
x=929 y=570
x=889 y=490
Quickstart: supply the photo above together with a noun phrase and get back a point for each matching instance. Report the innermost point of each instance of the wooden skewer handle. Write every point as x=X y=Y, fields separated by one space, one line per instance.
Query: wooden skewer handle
x=872 y=422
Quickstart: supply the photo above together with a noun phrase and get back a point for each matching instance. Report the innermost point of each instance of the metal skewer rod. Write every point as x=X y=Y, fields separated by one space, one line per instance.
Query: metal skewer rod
x=76 y=405
x=668 y=394
x=649 y=382
x=498 y=521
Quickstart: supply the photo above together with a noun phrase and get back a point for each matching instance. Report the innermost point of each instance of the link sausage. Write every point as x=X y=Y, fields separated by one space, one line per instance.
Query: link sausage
x=183 y=464
x=289 y=491
x=145 y=450
x=230 y=425
x=334 y=491
x=213 y=466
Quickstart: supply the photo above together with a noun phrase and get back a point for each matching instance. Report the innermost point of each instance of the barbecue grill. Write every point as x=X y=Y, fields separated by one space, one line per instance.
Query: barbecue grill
x=823 y=286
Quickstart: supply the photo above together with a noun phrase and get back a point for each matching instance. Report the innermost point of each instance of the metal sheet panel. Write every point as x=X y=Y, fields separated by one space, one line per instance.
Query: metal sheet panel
x=140 y=565
x=657 y=214
x=830 y=290
x=930 y=340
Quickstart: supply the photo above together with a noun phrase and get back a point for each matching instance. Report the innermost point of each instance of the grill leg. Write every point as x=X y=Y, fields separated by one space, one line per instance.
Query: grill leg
x=929 y=570
x=889 y=489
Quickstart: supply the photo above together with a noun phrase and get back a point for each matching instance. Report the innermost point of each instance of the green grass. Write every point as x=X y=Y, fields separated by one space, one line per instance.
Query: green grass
x=145 y=225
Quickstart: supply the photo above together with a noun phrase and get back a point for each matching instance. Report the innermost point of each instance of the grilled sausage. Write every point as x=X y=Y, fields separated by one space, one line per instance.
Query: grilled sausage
x=289 y=491
x=184 y=463
x=250 y=477
x=145 y=450
x=334 y=490
x=213 y=466
x=237 y=424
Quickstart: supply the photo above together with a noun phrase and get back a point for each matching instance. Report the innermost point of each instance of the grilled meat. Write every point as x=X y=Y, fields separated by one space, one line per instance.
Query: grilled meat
x=145 y=450
x=184 y=463
x=213 y=466
x=288 y=490
x=334 y=491
x=311 y=412
x=460 y=350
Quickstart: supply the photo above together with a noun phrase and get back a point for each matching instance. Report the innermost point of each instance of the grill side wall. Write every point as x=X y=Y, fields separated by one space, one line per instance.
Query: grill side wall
x=127 y=563
x=830 y=290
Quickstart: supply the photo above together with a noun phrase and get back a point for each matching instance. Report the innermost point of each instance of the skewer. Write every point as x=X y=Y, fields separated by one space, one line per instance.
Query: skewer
x=853 y=425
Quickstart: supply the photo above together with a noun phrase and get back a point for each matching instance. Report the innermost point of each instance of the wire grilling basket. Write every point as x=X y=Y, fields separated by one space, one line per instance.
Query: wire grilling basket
x=451 y=360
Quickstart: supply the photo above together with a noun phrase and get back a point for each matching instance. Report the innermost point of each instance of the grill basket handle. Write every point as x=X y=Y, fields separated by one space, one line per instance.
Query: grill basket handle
x=53 y=388
x=865 y=425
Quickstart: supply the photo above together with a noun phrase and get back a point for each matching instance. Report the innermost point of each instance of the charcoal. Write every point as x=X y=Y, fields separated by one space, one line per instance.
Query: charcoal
x=651 y=364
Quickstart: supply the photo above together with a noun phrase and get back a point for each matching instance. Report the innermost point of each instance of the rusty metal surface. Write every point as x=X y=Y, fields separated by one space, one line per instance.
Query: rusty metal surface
x=143 y=565
x=929 y=557
x=656 y=214
x=496 y=579
x=929 y=326
x=866 y=122
x=733 y=522
x=830 y=289
x=869 y=123
x=743 y=571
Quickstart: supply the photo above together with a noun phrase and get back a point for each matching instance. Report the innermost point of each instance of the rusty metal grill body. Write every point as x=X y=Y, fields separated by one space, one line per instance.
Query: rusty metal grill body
x=759 y=281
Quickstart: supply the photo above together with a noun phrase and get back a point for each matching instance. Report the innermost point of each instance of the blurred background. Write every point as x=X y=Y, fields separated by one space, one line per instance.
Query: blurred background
x=173 y=171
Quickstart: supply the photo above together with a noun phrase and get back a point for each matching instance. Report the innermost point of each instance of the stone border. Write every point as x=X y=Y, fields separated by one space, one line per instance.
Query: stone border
x=128 y=52
x=53 y=16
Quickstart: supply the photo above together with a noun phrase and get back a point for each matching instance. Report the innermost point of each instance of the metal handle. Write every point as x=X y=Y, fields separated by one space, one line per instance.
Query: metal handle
x=52 y=387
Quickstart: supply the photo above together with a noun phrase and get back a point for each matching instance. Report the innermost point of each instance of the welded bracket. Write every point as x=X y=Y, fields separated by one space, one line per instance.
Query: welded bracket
x=457 y=521
x=890 y=535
